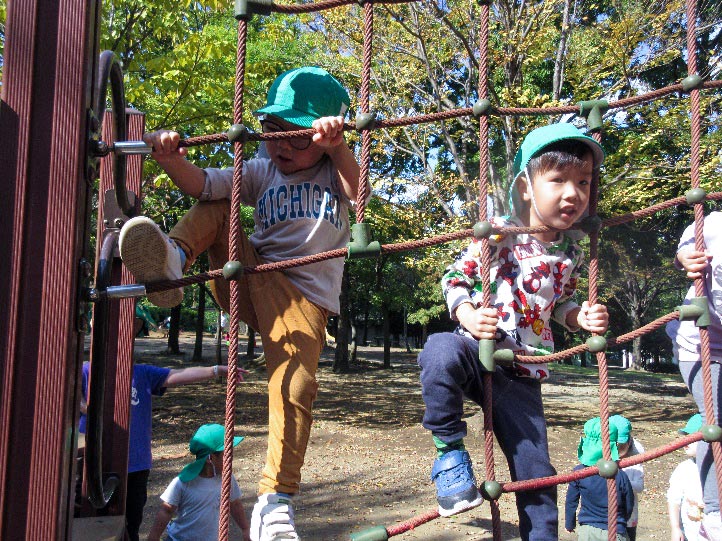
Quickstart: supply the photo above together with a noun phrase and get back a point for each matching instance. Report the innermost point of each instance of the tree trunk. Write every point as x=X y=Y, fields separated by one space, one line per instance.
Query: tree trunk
x=340 y=360
x=387 y=337
x=354 y=344
x=251 y=349
x=200 y=323
x=174 y=331
x=219 y=338
x=636 y=353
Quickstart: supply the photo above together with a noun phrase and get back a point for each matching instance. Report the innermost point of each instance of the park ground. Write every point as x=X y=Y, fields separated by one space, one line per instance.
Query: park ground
x=369 y=459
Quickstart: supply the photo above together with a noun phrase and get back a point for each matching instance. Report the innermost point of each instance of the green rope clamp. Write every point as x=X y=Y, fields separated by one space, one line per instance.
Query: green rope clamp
x=593 y=110
x=365 y=121
x=697 y=310
x=233 y=270
x=360 y=245
x=238 y=133
x=607 y=468
x=504 y=357
x=691 y=82
x=590 y=224
x=695 y=195
x=481 y=107
x=491 y=490
x=377 y=533
x=483 y=230
x=246 y=8
x=486 y=355
x=711 y=433
x=596 y=344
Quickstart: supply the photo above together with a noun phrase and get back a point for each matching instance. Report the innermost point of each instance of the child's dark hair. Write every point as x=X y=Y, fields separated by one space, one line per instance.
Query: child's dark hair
x=560 y=155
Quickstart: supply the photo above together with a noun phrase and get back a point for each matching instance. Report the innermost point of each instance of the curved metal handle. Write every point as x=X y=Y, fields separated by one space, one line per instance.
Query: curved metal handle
x=99 y=494
x=109 y=70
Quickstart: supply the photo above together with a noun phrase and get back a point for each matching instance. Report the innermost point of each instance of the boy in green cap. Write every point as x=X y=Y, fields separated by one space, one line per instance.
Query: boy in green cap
x=301 y=194
x=533 y=279
x=629 y=446
x=593 y=490
x=194 y=496
x=685 y=502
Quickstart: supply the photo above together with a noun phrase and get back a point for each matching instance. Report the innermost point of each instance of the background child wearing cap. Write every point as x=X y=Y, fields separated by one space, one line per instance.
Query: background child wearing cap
x=592 y=491
x=684 y=496
x=687 y=347
x=194 y=497
x=533 y=277
x=628 y=446
x=301 y=194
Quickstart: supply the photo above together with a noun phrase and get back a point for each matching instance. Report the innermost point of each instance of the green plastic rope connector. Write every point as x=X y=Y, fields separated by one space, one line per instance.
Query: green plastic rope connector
x=245 y=8
x=590 y=224
x=481 y=107
x=486 y=355
x=689 y=312
x=711 y=433
x=238 y=133
x=504 y=357
x=360 y=245
x=377 y=533
x=697 y=310
x=607 y=468
x=593 y=110
x=596 y=344
x=232 y=270
x=491 y=490
x=482 y=230
x=365 y=121
x=695 y=195
x=691 y=82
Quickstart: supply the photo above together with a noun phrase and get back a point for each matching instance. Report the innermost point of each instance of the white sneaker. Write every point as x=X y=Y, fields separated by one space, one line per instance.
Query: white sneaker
x=711 y=526
x=151 y=256
x=272 y=518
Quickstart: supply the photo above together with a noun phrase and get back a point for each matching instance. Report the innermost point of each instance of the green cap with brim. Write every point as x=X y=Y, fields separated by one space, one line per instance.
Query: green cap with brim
x=624 y=427
x=302 y=95
x=694 y=424
x=540 y=138
x=207 y=439
x=590 y=449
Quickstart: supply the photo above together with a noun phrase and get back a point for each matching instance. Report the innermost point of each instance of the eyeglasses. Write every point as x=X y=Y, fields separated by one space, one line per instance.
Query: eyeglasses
x=299 y=143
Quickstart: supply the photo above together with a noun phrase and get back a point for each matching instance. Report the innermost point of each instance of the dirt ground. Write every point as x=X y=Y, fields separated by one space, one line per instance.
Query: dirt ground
x=369 y=459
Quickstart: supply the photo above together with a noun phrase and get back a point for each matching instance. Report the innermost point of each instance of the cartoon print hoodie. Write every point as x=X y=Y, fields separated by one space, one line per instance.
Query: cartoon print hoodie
x=531 y=282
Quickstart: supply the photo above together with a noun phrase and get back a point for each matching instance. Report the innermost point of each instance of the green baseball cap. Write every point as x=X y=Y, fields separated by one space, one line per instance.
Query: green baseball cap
x=302 y=95
x=694 y=424
x=590 y=449
x=624 y=427
x=207 y=439
x=540 y=138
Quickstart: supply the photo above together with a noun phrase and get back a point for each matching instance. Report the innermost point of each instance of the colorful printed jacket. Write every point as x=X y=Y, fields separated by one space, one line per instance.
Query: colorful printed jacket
x=531 y=282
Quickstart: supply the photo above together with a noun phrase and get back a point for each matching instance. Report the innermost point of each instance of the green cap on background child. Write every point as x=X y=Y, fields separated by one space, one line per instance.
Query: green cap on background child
x=590 y=446
x=207 y=439
x=302 y=95
x=624 y=427
x=694 y=424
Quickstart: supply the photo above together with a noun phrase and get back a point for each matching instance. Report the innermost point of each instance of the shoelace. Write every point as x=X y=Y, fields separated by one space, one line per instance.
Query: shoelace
x=278 y=523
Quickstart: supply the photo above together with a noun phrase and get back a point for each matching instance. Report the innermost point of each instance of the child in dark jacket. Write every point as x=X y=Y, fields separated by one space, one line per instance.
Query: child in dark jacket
x=592 y=491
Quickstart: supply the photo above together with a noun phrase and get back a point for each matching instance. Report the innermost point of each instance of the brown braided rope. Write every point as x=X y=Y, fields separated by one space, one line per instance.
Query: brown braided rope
x=234 y=250
x=699 y=283
x=363 y=189
x=450 y=114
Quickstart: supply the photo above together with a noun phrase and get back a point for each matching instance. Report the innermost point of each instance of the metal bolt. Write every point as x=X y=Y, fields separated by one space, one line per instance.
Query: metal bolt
x=118 y=223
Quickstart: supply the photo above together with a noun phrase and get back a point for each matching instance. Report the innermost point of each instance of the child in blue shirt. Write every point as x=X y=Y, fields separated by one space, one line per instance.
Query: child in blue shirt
x=592 y=491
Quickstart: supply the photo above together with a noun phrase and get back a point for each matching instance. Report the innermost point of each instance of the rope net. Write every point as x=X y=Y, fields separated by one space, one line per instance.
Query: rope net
x=364 y=190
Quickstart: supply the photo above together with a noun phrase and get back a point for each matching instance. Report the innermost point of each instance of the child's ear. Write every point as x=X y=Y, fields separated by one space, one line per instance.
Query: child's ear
x=522 y=187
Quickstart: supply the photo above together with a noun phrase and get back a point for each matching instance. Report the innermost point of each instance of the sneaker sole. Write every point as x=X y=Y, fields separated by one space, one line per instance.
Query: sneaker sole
x=144 y=250
x=461 y=506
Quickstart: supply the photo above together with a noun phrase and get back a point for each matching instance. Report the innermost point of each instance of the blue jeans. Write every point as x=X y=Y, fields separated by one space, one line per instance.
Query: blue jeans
x=450 y=371
x=692 y=375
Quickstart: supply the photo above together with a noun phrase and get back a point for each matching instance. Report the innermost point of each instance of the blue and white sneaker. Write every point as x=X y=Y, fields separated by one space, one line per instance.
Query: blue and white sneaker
x=150 y=255
x=455 y=483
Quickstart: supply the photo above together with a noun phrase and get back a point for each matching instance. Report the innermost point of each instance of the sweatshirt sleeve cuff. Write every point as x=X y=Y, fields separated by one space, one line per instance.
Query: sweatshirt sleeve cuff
x=455 y=298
